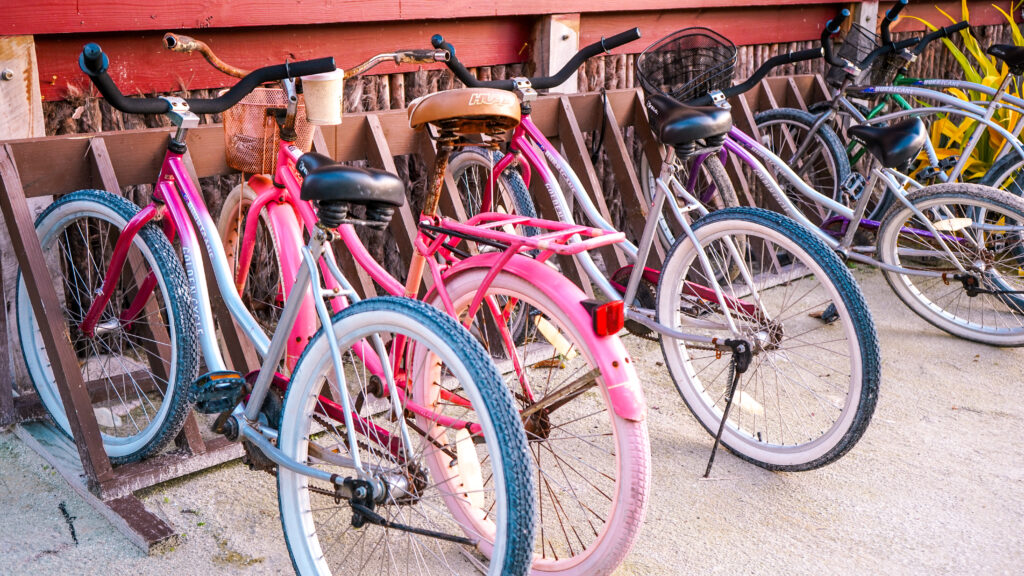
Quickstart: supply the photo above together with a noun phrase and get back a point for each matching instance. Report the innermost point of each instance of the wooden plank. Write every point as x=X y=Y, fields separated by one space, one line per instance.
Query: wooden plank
x=139 y=64
x=556 y=39
x=126 y=513
x=170 y=465
x=635 y=206
x=46 y=306
x=403 y=224
x=8 y=414
x=579 y=160
x=21 y=115
x=360 y=280
x=58 y=16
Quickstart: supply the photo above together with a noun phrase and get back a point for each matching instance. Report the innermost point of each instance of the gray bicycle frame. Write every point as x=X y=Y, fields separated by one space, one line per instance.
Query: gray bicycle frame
x=638 y=255
x=749 y=151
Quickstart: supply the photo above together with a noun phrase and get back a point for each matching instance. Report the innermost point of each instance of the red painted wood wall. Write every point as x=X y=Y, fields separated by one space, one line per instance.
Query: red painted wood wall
x=252 y=33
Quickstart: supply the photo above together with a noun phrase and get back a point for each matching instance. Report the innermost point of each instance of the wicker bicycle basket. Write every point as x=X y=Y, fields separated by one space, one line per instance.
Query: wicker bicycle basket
x=251 y=135
x=687 y=64
x=856 y=46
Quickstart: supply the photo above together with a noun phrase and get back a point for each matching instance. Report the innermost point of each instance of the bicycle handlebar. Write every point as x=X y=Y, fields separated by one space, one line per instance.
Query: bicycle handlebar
x=95 y=63
x=885 y=49
x=891 y=17
x=542 y=82
x=940 y=33
x=181 y=43
x=831 y=28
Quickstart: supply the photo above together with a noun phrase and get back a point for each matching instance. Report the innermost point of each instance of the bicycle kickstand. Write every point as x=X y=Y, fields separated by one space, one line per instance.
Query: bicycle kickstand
x=741 y=356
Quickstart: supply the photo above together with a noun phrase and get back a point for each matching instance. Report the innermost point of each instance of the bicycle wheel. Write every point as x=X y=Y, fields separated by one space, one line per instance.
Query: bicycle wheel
x=143 y=354
x=823 y=165
x=703 y=176
x=264 y=290
x=812 y=384
x=471 y=168
x=1006 y=174
x=982 y=228
x=593 y=466
x=431 y=351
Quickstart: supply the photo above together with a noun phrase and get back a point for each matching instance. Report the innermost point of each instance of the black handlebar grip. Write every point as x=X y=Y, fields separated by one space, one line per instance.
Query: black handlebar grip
x=93 y=61
x=890 y=16
x=940 y=33
x=619 y=39
x=831 y=27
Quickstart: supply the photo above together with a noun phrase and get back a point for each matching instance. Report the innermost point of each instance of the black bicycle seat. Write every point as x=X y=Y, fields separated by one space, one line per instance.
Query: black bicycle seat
x=1012 y=55
x=892 y=145
x=677 y=124
x=325 y=179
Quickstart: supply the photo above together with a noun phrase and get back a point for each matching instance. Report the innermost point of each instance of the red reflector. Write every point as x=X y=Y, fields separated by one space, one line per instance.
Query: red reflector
x=608 y=317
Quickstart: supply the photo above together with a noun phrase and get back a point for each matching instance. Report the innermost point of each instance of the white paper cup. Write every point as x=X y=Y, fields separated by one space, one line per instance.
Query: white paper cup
x=323 y=95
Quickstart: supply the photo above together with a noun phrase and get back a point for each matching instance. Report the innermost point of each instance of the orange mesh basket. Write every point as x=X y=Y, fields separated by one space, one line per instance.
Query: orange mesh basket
x=251 y=136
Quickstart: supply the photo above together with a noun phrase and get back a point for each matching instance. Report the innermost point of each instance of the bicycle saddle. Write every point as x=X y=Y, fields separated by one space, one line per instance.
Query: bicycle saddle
x=466 y=111
x=892 y=145
x=677 y=124
x=325 y=179
x=1012 y=55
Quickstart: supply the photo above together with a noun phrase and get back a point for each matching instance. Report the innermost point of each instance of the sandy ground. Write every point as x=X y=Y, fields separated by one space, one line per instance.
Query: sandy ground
x=936 y=486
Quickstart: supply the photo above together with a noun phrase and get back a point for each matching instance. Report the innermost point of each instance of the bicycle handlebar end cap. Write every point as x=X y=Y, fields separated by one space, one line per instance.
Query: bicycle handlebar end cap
x=437 y=40
x=93 y=61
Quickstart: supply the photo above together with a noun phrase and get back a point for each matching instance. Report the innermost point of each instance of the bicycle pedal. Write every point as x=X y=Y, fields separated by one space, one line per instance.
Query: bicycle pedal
x=853 y=186
x=217 y=392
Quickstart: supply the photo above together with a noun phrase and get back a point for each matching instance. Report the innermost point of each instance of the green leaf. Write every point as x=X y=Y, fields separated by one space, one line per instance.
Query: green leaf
x=1018 y=40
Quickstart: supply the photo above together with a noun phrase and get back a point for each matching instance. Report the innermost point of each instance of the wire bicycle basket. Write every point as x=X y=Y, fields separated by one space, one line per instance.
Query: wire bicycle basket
x=687 y=64
x=251 y=133
x=856 y=46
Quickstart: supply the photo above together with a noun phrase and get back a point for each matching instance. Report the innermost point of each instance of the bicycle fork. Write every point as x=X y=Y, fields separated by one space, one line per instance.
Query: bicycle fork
x=246 y=419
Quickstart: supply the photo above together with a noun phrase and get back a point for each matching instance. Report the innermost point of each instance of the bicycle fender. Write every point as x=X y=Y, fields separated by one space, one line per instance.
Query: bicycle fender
x=618 y=373
x=288 y=239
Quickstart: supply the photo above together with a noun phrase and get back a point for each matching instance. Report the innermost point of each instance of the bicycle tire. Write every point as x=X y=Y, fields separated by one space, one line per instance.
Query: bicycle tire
x=85 y=222
x=264 y=292
x=1003 y=257
x=831 y=168
x=470 y=164
x=437 y=337
x=834 y=409
x=609 y=447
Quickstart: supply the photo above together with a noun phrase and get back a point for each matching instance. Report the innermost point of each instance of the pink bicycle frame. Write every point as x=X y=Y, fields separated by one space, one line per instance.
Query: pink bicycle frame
x=627 y=399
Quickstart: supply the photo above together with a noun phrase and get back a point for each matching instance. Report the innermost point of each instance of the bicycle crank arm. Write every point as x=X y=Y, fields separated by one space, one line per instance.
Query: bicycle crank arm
x=365 y=514
x=560 y=397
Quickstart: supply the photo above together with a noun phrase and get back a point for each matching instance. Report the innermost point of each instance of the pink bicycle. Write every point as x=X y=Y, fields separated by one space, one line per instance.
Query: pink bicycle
x=578 y=393
x=396 y=446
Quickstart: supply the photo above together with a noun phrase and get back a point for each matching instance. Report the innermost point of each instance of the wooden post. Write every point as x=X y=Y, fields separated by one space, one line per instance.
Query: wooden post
x=866 y=14
x=21 y=116
x=66 y=371
x=556 y=39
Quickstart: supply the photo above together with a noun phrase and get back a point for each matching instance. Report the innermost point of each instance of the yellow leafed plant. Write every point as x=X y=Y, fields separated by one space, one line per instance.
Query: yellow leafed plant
x=950 y=132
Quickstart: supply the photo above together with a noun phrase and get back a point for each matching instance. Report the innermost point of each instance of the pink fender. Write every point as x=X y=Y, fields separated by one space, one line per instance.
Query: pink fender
x=288 y=240
x=627 y=396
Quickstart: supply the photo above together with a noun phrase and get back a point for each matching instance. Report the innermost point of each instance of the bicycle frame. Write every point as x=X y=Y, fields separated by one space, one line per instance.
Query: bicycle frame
x=177 y=203
x=530 y=143
x=437 y=256
x=751 y=152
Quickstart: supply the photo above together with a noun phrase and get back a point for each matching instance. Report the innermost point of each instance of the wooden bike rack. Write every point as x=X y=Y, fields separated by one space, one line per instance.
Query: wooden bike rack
x=116 y=159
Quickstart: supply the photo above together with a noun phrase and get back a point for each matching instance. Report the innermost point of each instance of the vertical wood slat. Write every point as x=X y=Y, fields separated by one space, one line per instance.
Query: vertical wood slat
x=403 y=224
x=579 y=159
x=7 y=411
x=655 y=158
x=362 y=282
x=154 y=333
x=45 y=304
